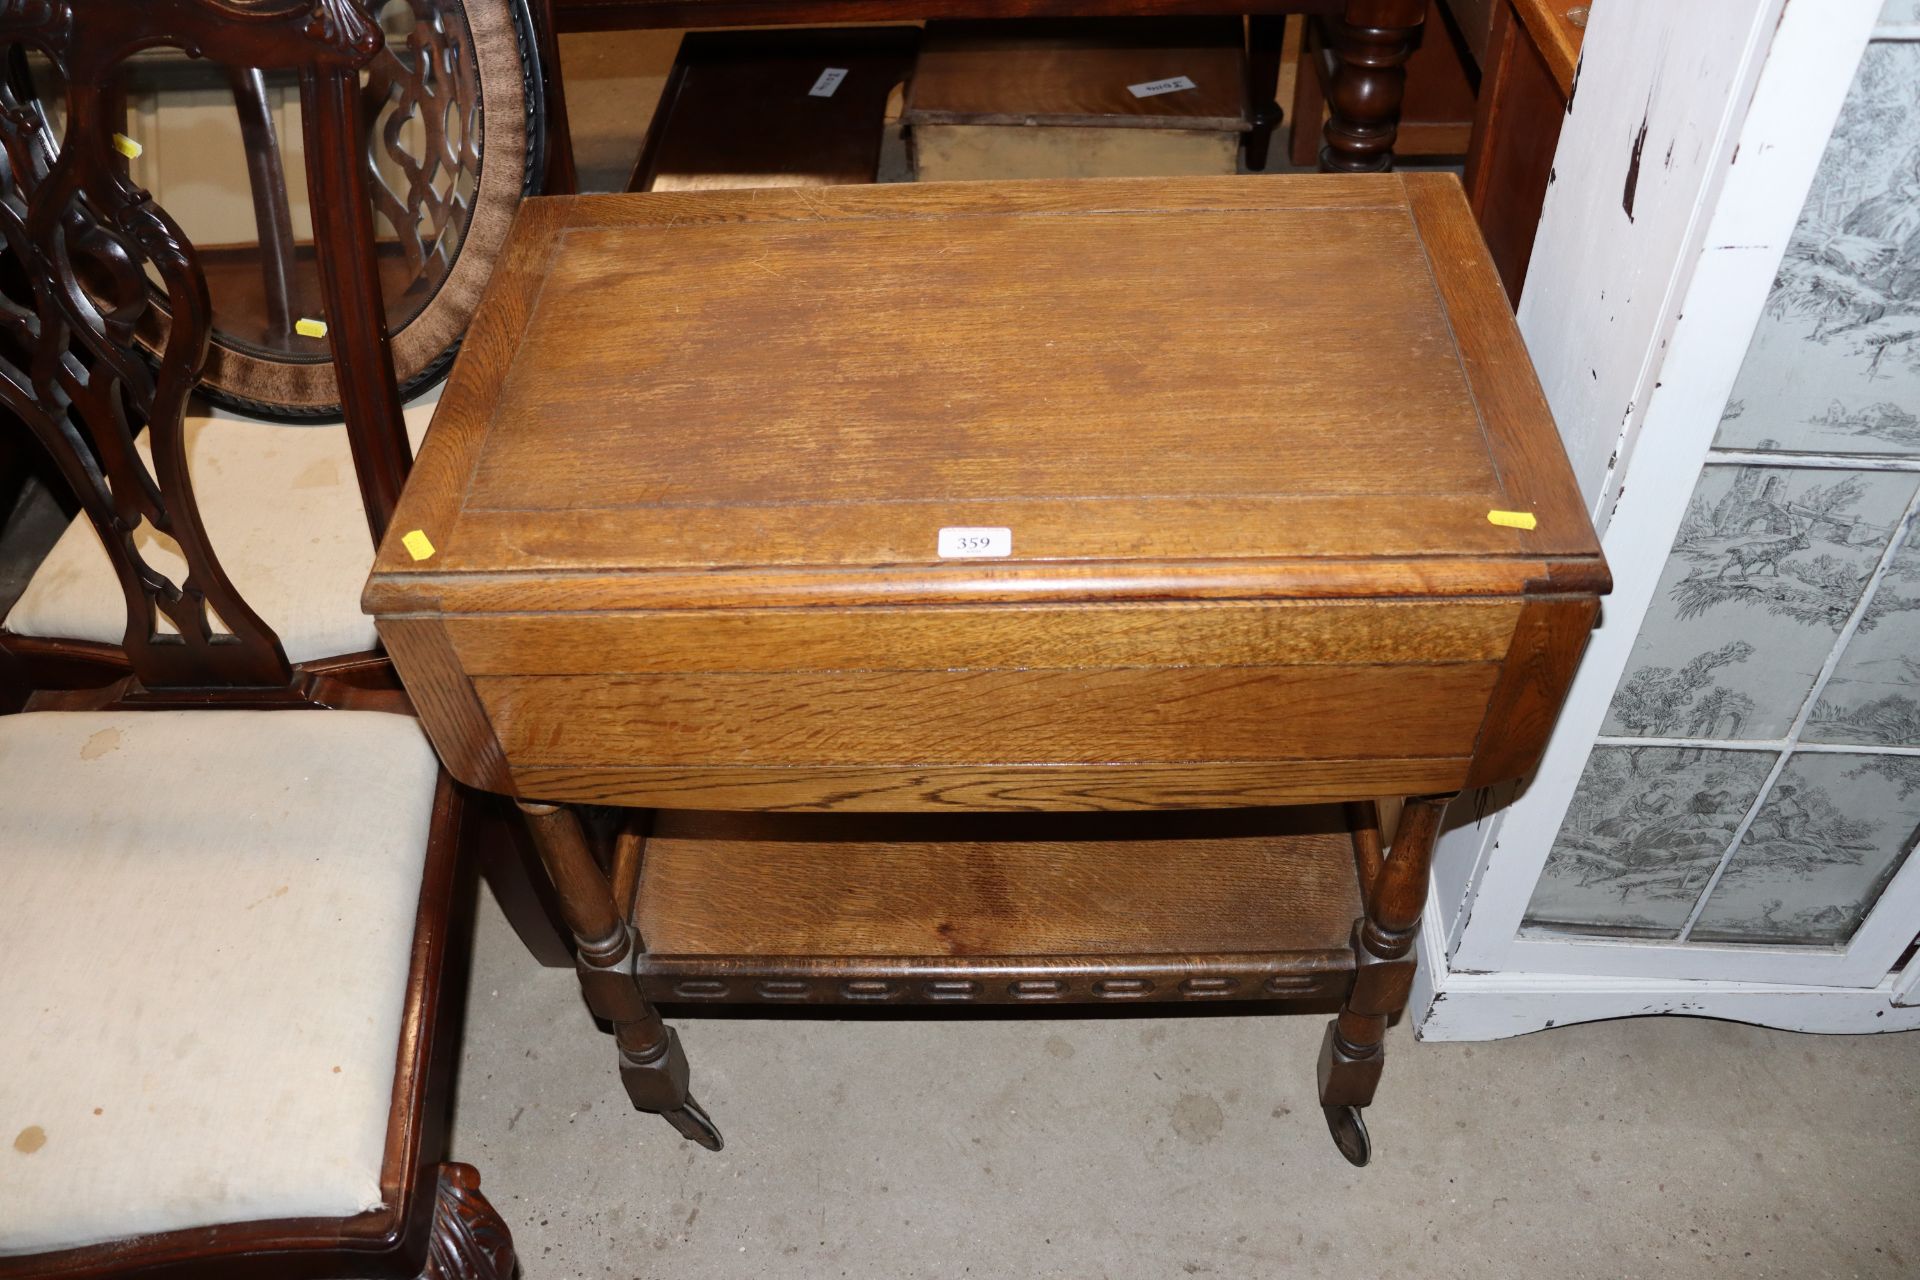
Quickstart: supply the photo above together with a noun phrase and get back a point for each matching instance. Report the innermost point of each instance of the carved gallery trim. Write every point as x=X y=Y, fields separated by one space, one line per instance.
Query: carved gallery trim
x=1014 y=981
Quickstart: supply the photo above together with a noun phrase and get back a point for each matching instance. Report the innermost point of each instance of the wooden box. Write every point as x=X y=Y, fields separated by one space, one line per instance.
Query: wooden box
x=774 y=108
x=1086 y=98
x=1023 y=497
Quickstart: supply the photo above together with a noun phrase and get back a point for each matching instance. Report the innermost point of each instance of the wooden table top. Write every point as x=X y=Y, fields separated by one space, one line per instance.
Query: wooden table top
x=1256 y=386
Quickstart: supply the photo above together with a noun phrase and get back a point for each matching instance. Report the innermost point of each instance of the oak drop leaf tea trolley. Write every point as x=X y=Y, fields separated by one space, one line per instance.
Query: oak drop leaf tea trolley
x=992 y=593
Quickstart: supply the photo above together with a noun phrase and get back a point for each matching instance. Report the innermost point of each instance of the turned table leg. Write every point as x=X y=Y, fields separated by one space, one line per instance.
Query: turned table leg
x=1353 y=1053
x=653 y=1066
x=1371 y=44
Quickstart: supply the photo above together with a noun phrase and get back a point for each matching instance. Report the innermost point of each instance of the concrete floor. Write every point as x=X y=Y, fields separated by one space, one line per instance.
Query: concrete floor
x=1185 y=1146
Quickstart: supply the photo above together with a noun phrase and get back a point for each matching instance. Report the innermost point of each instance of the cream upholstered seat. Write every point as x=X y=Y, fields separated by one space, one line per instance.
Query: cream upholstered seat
x=206 y=923
x=283 y=508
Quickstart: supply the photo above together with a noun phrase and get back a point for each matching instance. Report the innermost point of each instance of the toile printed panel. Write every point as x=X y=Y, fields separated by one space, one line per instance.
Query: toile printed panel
x=1831 y=834
x=1646 y=829
x=1873 y=698
x=1834 y=365
x=1767 y=566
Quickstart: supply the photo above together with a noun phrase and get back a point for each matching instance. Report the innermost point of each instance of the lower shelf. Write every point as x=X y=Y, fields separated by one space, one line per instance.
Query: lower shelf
x=990 y=908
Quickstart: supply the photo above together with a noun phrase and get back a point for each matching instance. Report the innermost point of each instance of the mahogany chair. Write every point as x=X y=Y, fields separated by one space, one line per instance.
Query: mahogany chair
x=227 y=927
x=444 y=225
x=333 y=482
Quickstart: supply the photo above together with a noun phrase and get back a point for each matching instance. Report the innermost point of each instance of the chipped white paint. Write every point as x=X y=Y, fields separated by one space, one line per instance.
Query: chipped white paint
x=1602 y=301
x=1638 y=326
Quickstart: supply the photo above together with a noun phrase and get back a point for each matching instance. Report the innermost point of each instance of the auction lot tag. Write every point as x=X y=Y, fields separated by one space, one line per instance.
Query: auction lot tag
x=1153 y=88
x=965 y=543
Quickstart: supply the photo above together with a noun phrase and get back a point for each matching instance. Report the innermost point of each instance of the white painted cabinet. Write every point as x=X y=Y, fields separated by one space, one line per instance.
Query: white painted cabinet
x=1724 y=306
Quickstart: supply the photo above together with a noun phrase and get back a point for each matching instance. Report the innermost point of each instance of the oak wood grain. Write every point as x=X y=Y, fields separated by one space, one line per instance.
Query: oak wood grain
x=1051 y=581
x=1532 y=464
x=976 y=637
x=943 y=402
x=684 y=489
x=910 y=718
x=984 y=885
x=997 y=788
x=444 y=697
x=1547 y=645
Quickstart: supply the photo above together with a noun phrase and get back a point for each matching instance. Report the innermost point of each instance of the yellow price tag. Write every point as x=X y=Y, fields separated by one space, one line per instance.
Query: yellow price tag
x=1512 y=519
x=127 y=146
x=310 y=328
x=418 y=545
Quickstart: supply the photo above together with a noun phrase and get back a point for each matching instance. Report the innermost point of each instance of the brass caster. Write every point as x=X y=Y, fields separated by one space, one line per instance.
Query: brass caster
x=695 y=1125
x=1349 y=1130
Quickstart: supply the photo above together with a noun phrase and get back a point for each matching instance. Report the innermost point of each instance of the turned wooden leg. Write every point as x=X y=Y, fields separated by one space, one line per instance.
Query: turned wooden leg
x=1266 y=34
x=1371 y=45
x=653 y=1066
x=1353 y=1053
x=470 y=1241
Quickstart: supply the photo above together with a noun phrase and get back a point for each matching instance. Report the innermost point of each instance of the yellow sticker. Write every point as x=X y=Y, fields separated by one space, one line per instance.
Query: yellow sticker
x=417 y=544
x=1512 y=519
x=310 y=328
x=127 y=146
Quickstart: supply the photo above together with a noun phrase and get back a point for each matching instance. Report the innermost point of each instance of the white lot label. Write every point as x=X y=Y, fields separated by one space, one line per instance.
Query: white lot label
x=957 y=543
x=1153 y=87
x=829 y=81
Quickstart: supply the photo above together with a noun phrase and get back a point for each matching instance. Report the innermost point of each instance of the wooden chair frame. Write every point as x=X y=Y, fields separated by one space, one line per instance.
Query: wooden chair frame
x=73 y=372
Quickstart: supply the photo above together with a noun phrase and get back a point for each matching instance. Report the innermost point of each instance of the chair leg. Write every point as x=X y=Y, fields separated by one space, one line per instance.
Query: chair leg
x=470 y=1241
x=1371 y=47
x=500 y=845
x=1353 y=1052
x=1266 y=36
x=653 y=1066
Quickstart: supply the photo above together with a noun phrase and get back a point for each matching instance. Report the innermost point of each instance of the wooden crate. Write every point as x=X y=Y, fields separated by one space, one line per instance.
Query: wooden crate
x=774 y=109
x=1077 y=99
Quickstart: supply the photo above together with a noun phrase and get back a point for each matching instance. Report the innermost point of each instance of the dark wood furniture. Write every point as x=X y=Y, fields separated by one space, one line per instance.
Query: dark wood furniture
x=1055 y=99
x=992 y=499
x=740 y=109
x=1436 y=108
x=94 y=271
x=1533 y=56
x=459 y=81
x=1371 y=38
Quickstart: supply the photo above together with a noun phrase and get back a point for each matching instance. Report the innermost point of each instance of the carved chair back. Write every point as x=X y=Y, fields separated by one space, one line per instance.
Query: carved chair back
x=105 y=320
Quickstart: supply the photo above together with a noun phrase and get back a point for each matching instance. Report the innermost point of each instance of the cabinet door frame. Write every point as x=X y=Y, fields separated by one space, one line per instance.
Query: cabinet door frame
x=1639 y=325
